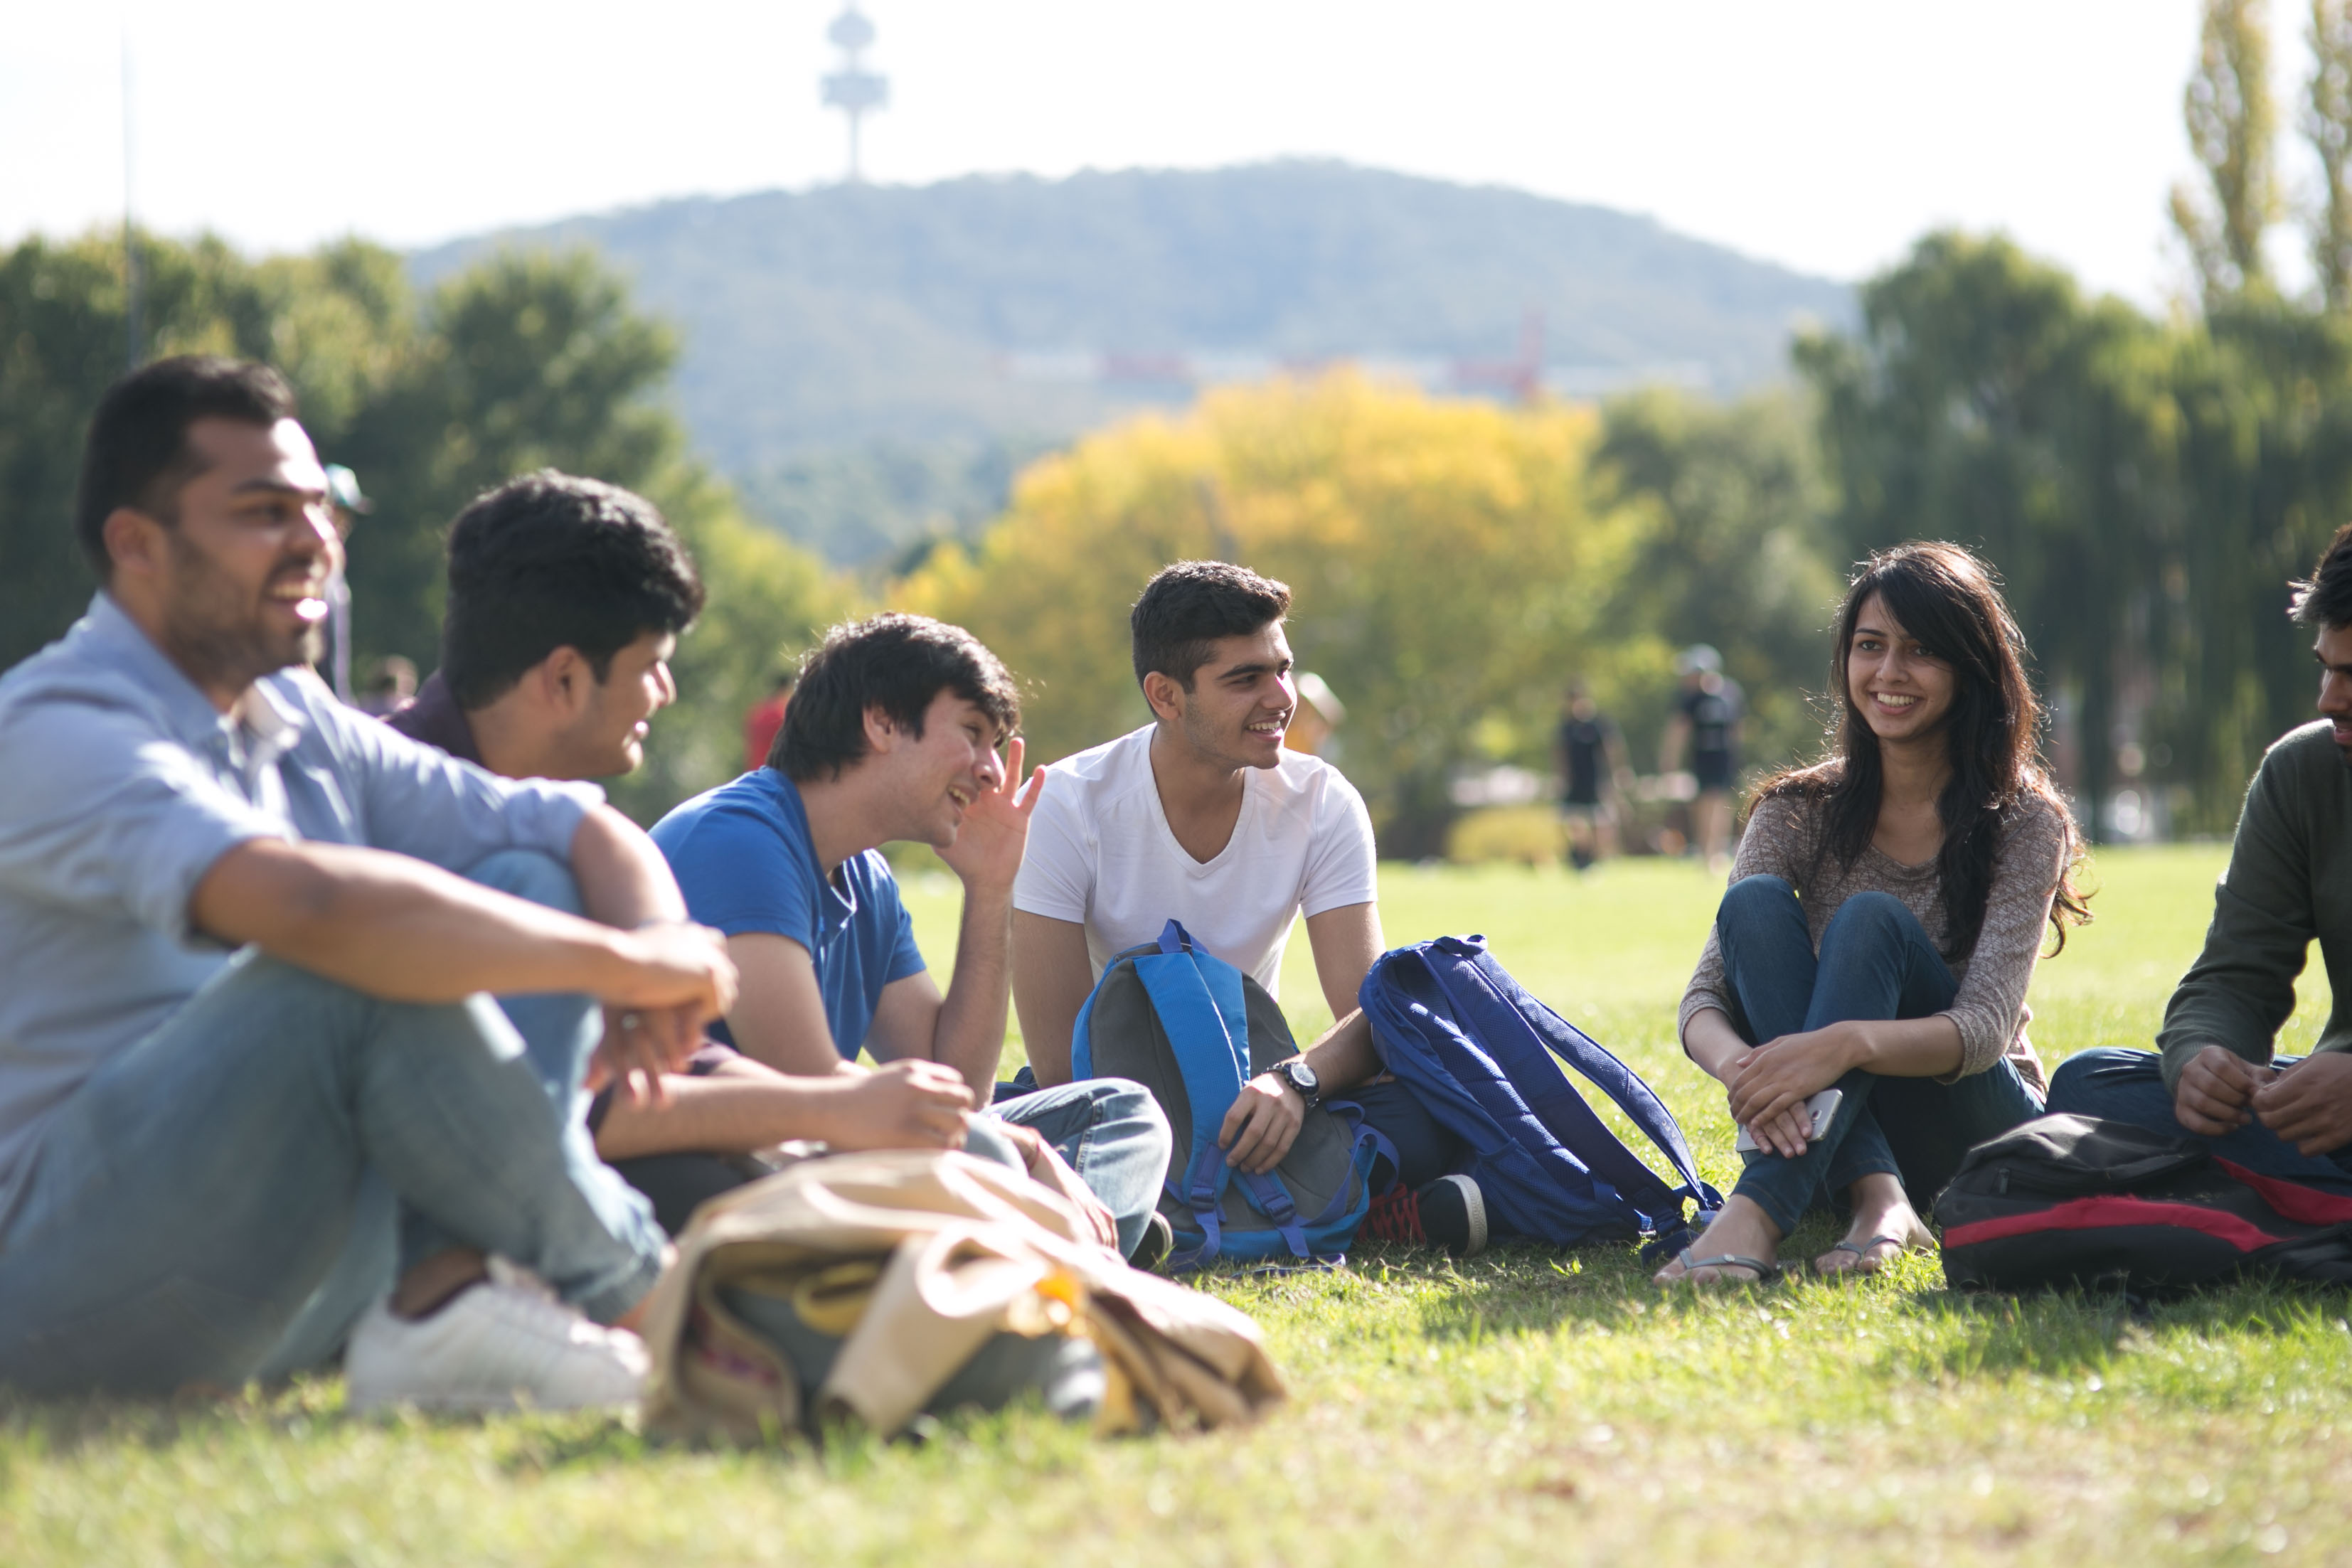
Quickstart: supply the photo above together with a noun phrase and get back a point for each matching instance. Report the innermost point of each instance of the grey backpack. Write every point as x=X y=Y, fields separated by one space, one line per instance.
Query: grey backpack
x=1192 y=1030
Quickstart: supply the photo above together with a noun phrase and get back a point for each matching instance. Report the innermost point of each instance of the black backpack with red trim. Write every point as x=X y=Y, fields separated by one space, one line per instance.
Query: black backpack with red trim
x=2079 y=1200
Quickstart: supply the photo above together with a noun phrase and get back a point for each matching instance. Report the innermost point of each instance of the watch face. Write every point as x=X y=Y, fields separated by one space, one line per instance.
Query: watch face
x=1301 y=1076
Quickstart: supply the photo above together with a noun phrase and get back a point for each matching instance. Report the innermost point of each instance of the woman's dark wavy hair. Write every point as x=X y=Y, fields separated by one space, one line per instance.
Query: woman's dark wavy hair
x=1950 y=601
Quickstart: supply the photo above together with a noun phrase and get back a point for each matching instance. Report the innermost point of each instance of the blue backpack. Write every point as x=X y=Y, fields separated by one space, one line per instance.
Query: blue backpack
x=1192 y=1030
x=1479 y=1053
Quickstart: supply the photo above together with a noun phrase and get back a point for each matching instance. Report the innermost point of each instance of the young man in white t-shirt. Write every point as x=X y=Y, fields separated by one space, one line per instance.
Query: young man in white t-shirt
x=1202 y=816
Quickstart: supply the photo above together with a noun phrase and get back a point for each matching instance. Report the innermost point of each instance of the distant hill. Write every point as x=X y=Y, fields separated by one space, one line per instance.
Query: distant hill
x=994 y=312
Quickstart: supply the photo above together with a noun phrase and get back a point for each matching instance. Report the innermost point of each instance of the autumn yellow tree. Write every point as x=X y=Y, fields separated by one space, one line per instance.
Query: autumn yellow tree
x=1446 y=566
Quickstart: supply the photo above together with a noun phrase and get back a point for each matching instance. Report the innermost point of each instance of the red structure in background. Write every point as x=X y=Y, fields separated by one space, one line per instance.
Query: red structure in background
x=760 y=725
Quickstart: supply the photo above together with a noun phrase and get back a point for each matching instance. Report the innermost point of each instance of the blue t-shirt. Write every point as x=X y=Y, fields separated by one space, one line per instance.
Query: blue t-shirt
x=744 y=859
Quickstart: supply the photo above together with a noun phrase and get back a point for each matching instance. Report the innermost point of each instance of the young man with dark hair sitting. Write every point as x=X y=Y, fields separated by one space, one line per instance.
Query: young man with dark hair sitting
x=244 y=972
x=1202 y=816
x=566 y=598
x=2215 y=1074
x=892 y=734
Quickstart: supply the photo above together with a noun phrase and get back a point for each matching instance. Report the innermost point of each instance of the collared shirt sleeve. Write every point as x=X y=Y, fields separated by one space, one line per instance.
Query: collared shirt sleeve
x=418 y=800
x=1342 y=864
x=113 y=816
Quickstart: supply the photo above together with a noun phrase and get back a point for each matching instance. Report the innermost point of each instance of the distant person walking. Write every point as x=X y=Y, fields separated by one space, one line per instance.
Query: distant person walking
x=1591 y=755
x=1706 y=726
x=391 y=685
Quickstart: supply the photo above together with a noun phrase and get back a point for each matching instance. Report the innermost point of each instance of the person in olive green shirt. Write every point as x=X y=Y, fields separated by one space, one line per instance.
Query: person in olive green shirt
x=2289 y=881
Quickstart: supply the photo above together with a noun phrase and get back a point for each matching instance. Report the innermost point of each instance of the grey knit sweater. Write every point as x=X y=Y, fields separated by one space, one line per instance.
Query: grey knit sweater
x=2035 y=844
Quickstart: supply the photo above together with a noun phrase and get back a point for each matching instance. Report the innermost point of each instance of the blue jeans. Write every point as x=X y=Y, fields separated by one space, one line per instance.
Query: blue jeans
x=191 y=1199
x=1874 y=963
x=1112 y=1133
x=2127 y=1085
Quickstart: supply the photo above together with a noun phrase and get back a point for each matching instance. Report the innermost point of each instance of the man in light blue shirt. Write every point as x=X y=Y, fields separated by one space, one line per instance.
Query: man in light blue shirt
x=244 y=972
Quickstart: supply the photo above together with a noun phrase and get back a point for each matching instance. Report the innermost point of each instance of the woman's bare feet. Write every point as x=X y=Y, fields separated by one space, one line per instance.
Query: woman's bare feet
x=1885 y=1226
x=1741 y=1230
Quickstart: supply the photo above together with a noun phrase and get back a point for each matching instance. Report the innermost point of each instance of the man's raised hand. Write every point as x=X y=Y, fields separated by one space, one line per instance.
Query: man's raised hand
x=995 y=827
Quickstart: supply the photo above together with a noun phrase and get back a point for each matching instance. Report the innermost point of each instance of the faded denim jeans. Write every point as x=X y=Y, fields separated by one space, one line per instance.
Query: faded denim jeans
x=202 y=1201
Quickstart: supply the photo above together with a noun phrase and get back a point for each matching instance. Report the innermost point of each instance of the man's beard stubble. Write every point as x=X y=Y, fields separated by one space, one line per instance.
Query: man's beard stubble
x=216 y=637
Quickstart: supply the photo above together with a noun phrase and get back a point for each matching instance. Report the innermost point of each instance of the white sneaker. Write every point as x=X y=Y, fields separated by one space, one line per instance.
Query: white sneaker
x=497 y=1346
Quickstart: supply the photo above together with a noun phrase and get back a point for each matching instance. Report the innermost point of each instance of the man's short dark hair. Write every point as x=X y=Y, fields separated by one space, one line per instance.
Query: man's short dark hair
x=1186 y=607
x=549 y=561
x=136 y=453
x=896 y=663
x=2325 y=604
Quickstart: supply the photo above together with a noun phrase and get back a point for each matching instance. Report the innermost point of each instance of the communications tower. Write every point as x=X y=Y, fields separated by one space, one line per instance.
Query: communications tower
x=854 y=89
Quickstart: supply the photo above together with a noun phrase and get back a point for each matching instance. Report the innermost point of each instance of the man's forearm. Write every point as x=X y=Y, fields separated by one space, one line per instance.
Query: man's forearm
x=1344 y=1057
x=721 y=1113
x=624 y=880
x=970 y=1034
x=398 y=928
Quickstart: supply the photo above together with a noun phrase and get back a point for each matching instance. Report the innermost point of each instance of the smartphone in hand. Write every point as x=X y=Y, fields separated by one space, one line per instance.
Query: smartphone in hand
x=1820 y=1109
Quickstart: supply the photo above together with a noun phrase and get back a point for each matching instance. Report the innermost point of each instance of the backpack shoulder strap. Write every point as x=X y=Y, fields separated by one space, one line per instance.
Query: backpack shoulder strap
x=1477 y=972
x=1526 y=1042
x=1198 y=1001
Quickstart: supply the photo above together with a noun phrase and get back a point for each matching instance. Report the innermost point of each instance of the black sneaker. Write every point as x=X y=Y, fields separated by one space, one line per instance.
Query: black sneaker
x=1159 y=1240
x=1454 y=1215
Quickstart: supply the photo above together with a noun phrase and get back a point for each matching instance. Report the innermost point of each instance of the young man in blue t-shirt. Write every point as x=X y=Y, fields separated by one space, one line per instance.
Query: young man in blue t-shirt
x=892 y=734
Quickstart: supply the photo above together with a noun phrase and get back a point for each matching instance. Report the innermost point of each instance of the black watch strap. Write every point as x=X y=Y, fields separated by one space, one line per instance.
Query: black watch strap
x=1301 y=1077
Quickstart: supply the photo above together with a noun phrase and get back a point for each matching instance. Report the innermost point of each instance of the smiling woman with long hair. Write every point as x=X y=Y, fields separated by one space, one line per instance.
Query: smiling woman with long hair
x=1885 y=912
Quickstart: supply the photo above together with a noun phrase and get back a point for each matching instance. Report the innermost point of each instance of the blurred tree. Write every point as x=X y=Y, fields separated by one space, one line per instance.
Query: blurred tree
x=522 y=361
x=1985 y=401
x=527 y=360
x=61 y=337
x=1737 y=553
x=1447 y=566
x=2328 y=122
x=2263 y=393
x=2232 y=127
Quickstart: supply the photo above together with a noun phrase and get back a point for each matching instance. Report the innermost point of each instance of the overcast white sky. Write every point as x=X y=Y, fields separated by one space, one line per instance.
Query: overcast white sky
x=1826 y=134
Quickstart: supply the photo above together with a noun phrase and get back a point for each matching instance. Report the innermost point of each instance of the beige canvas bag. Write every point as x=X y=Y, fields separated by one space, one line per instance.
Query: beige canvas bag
x=919 y=1260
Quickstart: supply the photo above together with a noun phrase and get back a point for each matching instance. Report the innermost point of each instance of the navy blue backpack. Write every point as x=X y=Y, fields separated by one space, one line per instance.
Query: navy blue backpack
x=1483 y=1058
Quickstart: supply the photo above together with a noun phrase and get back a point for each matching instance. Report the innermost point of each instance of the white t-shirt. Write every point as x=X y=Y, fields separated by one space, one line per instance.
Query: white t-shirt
x=1101 y=854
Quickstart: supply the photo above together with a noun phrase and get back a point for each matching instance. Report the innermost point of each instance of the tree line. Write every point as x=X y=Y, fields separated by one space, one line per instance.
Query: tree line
x=2146 y=483
x=524 y=362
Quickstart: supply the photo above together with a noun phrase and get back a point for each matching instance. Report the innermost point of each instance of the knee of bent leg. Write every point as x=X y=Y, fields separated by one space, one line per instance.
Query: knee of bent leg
x=1127 y=1106
x=1754 y=896
x=1869 y=916
x=531 y=874
x=2075 y=1086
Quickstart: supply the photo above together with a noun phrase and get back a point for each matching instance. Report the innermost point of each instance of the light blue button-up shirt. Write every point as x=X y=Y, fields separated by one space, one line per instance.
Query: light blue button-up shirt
x=121 y=785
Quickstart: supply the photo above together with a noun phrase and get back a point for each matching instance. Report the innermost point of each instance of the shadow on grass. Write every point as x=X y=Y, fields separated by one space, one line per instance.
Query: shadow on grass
x=2062 y=1331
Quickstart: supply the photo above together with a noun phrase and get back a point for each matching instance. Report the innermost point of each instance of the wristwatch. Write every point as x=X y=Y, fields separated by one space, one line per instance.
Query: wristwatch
x=1301 y=1077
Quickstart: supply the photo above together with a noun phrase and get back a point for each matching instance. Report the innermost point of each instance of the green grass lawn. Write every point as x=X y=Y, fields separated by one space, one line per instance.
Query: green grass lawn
x=1522 y=1406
